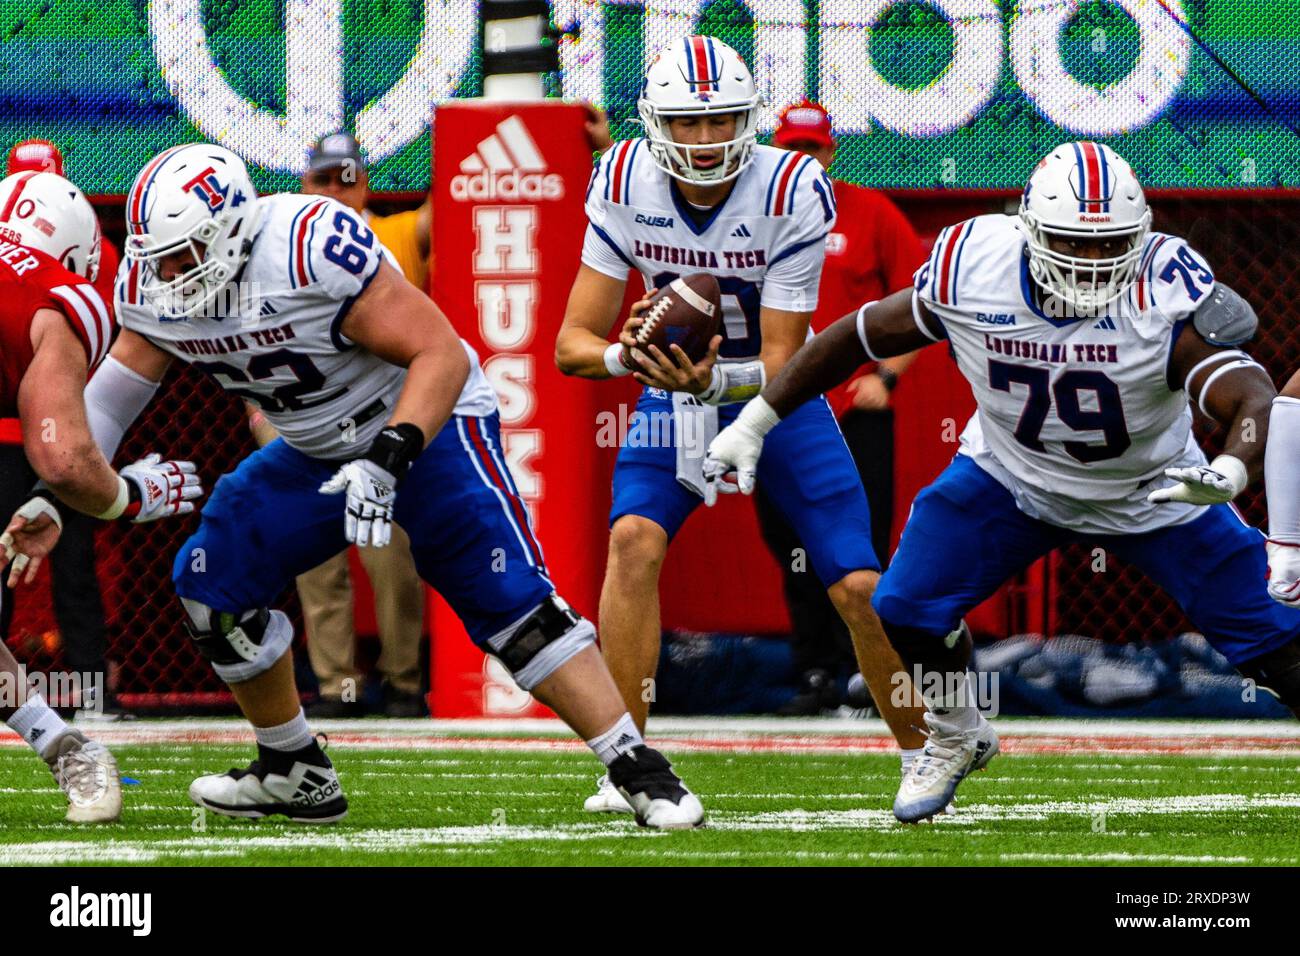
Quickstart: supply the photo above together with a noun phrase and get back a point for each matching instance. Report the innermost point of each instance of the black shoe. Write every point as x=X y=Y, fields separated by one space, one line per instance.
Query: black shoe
x=299 y=784
x=335 y=708
x=818 y=692
x=400 y=703
x=656 y=794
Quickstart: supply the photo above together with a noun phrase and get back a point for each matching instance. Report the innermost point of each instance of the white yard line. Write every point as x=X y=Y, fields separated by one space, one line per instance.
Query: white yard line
x=233 y=843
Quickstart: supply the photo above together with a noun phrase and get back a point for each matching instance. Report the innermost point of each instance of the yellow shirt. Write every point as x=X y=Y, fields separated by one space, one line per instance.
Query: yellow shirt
x=398 y=234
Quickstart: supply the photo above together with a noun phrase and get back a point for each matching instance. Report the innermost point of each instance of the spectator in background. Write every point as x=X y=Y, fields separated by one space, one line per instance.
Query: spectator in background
x=335 y=169
x=78 y=606
x=871 y=252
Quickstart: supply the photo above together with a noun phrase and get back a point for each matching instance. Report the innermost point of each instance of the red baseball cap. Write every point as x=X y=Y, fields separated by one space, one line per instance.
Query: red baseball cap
x=35 y=155
x=804 y=122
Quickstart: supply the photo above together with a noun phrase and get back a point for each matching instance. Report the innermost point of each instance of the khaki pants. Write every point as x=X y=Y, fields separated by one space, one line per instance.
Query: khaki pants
x=326 y=595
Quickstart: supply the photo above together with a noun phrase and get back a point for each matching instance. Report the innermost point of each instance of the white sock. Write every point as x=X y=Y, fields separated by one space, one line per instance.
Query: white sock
x=616 y=741
x=37 y=724
x=291 y=735
x=909 y=756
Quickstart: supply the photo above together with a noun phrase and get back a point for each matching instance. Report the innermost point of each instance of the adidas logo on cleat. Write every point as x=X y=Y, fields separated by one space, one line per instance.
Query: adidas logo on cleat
x=506 y=165
x=315 y=788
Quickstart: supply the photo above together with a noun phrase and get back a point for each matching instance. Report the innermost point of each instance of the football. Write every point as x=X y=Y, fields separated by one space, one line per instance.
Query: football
x=687 y=312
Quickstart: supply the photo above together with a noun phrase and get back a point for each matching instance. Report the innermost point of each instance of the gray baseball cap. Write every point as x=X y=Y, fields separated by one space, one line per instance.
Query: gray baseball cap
x=337 y=149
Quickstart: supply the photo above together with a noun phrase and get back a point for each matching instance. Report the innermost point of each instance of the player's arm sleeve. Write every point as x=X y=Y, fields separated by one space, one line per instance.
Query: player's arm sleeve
x=937 y=284
x=335 y=252
x=603 y=247
x=115 y=397
x=794 y=265
x=87 y=314
x=1173 y=278
x=1282 y=470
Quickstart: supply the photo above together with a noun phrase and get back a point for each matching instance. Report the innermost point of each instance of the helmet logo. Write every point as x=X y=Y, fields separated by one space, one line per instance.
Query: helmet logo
x=206 y=186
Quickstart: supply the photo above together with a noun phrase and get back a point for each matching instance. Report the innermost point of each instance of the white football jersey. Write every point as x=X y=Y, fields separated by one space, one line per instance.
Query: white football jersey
x=1076 y=417
x=765 y=242
x=279 y=343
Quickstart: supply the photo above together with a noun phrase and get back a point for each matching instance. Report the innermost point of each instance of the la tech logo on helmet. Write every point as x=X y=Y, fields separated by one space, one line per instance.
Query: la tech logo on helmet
x=208 y=188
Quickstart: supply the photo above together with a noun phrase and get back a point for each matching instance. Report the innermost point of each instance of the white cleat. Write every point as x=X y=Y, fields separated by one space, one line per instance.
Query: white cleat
x=304 y=790
x=87 y=773
x=653 y=792
x=606 y=799
x=928 y=787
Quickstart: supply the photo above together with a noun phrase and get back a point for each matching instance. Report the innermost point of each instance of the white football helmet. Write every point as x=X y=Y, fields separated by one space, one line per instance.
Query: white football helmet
x=44 y=211
x=198 y=198
x=698 y=76
x=1084 y=191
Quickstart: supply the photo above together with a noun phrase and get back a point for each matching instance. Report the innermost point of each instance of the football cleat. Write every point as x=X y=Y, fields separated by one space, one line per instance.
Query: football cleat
x=606 y=799
x=656 y=795
x=300 y=785
x=928 y=787
x=87 y=773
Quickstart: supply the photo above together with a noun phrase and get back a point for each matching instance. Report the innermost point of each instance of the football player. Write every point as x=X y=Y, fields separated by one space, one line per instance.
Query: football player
x=54 y=329
x=1282 y=479
x=1086 y=338
x=384 y=415
x=698 y=194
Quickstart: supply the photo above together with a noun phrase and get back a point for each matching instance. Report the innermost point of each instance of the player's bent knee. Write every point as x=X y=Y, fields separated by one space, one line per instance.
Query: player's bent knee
x=536 y=647
x=1278 y=671
x=239 y=646
x=637 y=544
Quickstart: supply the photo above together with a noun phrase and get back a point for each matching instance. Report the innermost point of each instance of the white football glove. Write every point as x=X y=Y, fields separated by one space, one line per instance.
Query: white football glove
x=166 y=488
x=1219 y=482
x=371 y=493
x=737 y=449
x=1284 y=573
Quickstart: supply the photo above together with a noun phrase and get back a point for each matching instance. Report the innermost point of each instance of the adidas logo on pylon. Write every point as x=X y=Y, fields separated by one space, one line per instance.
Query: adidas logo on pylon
x=507 y=165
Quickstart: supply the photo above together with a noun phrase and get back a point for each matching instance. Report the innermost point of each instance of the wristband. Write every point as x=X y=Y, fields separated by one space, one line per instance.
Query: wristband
x=758 y=417
x=119 y=504
x=614 y=361
x=396 y=448
x=733 y=382
x=888 y=376
x=1234 y=470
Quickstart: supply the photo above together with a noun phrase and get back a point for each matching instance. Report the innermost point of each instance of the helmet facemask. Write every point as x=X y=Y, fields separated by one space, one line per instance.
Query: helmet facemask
x=1085 y=286
x=678 y=159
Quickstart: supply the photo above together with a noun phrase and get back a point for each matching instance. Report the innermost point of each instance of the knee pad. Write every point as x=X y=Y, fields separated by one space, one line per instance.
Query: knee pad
x=1278 y=672
x=932 y=652
x=536 y=647
x=239 y=646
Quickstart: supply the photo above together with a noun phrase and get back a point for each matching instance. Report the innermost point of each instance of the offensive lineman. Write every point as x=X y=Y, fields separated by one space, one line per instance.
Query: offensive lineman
x=288 y=302
x=54 y=329
x=1085 y=338
x=697 y=194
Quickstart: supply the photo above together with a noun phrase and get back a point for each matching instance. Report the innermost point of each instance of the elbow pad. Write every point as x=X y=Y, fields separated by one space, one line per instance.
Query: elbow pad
x=1225 y=318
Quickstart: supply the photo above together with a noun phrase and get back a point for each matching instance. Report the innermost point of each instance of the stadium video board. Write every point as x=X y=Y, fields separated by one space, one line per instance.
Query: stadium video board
x=1198 y=94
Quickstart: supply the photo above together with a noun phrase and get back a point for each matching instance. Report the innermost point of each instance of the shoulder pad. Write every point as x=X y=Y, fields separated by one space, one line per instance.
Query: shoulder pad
x=1225 y=318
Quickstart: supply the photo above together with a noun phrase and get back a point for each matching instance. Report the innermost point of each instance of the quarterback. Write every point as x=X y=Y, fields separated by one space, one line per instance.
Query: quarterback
x=289 y=301
x=698 y=194
x=54 y=330
x=1086 y=339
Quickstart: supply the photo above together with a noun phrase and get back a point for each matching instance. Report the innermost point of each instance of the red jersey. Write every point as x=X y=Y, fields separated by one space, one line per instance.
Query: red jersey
x=109 y=260
x=872 y=251
x=31 y=281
